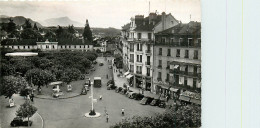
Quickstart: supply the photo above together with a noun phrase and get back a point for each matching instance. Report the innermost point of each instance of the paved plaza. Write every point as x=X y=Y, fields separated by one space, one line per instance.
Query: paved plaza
x=69 y=113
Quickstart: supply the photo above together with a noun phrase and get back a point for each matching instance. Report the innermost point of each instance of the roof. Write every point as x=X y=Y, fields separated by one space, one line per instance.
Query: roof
x=183 y=29
x=19 y=42
x=145 y=25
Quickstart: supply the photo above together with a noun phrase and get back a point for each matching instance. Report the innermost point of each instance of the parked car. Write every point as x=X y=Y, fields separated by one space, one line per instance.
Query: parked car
x=110 y=82
x=155 y=102
x=162 y=104
x=131 y=95
x=146 y=100
x=17 y=121
x=119 y=89
x=138 y=96
x=101 y=64
x=127 y=92
x=123 y=91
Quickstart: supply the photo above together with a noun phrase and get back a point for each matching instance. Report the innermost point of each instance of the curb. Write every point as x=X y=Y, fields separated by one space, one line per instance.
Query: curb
x=41 y=119
x=58 y=98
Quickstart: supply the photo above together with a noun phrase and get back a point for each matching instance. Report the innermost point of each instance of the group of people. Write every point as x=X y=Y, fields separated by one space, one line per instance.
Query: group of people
x=29 y=96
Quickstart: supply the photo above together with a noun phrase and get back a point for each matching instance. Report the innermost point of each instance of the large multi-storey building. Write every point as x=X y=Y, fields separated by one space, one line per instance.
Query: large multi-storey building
x=177 y=58
x=138 y=39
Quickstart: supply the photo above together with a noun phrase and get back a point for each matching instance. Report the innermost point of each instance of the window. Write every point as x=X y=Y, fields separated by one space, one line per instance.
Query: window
x=195 y=54
x=148 y=71
x=24 y=47
x=160 y=64
x=159 y=76
x=88 y=46
x=131 y=47
x=169 y=52
x=53 y=46
x=178 y=52
x=185 y=81
x=47 y=46
x=172 y=40
x=139 y=35
x=18 y=47
x=163 y=40
x=132 y=68
x=69 y=46
x=74 y=46
x=139 y=69
x=168 y=65
x=186 y=69
x=80 y=46
x=194 y=82
x=132 y=58
x=139 y=47
x=190 y=42
x=139 y=58
x=160 y=51
x=195 y=69
x=149 y=36
x=61 y=46
x=186 y=53
x=180 y=40
x=65 y=46
x=84 y=46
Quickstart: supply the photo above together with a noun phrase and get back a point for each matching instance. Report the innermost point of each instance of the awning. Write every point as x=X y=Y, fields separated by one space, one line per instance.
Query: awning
x=195 y=101
x=184 y=98
x=56 y=83
x=174 y=89
x=164 y=87
x=176 y=66
x=126 y=73
x=129 y=76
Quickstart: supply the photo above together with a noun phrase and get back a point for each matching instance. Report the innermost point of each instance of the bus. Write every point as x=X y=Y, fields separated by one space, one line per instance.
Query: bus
x=97 y=82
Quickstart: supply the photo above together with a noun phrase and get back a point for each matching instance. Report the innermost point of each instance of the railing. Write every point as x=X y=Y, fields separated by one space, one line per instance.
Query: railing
x=160 y=66
x=195 y=57
x=147 y=63
x=186 y=56
x=138 y=72
x=192 y=74
x=179 y=44
x=147 y=51
x=131 y=60
x=168 y=54
x=147 y=74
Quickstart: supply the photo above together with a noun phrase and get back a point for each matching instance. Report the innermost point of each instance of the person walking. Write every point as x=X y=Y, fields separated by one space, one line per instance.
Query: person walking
x=123 y=111
x=100 y=97
x=107 y=117
x=31 y=97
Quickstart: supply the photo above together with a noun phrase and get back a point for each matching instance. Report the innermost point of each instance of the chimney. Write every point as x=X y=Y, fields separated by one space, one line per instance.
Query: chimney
x=163 y=21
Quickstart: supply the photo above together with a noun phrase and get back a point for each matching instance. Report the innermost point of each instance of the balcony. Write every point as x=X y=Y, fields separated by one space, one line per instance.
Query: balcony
x=186 y=56
x=148 y=63
x=184 y=73
x=177 y=55
x=131 y=50
x=148 y=52
x=138 y=72
x=159 y=66
x=195 y=57
x=148 y=74
x=131 y=60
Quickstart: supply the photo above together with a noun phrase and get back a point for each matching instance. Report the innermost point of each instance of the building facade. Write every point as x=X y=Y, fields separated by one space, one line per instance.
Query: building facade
x=138 y=41
x=177 y=55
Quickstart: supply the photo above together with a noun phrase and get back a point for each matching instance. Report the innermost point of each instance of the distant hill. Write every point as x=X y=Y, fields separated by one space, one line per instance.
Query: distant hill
x=62 y=21
x=18 y=20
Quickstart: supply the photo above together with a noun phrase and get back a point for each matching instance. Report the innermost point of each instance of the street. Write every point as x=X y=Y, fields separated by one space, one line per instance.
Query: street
x=68 y=113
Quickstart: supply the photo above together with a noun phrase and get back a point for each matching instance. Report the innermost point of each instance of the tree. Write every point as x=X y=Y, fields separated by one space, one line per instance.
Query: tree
x=28 y=33
x=183 y=117
x=39 y=77
x=27 y=24
x=50 y=34
x=11 y=26
x=7 y=69
x=87 y=34
x=12 y=85
x=71 y=29
x=35 y=26
x=59 y=31
x=26 y=110
x=70 y=74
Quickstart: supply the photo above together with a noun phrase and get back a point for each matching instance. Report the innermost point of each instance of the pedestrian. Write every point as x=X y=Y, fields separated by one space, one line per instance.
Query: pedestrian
x=100 y=97
x=123 y=111
x=32 y=96
x=107 y=117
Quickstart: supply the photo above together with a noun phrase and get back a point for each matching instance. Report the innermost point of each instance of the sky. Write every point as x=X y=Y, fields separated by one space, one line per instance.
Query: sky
x=101 y=13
